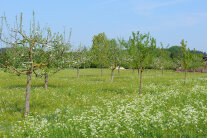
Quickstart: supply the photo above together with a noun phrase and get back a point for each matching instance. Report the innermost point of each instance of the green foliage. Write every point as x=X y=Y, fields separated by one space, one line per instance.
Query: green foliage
x=141 y=48
x=175 y=51
x=113 y=54
x=196 y=61
x=79 y=57
x=186 y=56
x=162 y=59
x=99 y=49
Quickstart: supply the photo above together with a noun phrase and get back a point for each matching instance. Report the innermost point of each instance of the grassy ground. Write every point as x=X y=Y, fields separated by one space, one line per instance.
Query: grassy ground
x=95 y=107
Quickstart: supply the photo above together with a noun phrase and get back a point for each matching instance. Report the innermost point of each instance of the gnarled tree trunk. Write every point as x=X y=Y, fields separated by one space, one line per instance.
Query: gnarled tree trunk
x=27 y=97
x=29 y=77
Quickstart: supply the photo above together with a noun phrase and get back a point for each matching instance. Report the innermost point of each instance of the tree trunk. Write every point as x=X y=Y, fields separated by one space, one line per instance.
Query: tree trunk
x=112 y=75
x=46 y=80
x=27 y=98
x=140 y=84
x=133 y=70
x=162 y=71
x=119 y=70
x=29 y=77
x=78 y=72
x=185 y=77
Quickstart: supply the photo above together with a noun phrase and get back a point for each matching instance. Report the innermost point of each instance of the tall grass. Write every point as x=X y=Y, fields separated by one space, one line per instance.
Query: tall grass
x=95 y=107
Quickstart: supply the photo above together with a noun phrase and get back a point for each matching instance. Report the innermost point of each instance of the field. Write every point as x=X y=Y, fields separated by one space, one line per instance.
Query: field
x=95 y=107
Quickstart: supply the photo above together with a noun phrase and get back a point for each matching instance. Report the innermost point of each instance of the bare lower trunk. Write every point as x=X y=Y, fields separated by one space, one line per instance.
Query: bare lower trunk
x=77 y=72
x=162 y=71
x=118 y=70
x=46 y=80
x=185 y=77
x=112 y=75
x=133 y=70
x=27 y=98
x=29 y=77
x=140 y=84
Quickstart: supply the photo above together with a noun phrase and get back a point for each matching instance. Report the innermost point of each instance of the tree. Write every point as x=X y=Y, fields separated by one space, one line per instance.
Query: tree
x=164 y=58
x=99 y=50
x=196 y=61
x=22 y=49
x=132 y=54
x=143 y=45
x=156 y=64
x=87 y=54
x=175 y=51
x=79 y=58
x=52 y=57
x=185 y=59
x=113 y=56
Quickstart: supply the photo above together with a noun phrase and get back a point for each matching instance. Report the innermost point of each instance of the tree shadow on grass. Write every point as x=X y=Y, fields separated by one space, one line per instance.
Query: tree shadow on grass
x=96 y=80
x=80 y=76
x=22 y=86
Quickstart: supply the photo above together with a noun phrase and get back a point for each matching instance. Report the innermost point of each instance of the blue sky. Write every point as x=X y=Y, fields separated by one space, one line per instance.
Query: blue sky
x=168 y=21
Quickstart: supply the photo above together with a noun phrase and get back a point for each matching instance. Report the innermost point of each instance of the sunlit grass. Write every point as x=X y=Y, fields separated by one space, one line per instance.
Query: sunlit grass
x=94 y=106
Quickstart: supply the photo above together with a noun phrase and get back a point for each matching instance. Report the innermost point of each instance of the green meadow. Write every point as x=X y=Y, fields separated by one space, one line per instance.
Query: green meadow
x=92 y=106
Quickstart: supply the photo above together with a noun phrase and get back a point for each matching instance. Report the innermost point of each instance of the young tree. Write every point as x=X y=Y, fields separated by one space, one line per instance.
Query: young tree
x=78 y=58
x=163 y=58
x=143 y=45
x=185 y=59
x=113 y=56
x=22 y=46
x=52 y=57
x=99 y=50
x=156 y=64
x=87 y=60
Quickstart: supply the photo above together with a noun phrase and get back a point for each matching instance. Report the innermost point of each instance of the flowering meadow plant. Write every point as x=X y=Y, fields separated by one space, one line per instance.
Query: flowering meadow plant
x=97 y=108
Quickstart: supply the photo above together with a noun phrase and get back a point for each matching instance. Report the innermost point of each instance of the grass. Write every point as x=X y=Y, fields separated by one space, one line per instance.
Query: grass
x=95 y=107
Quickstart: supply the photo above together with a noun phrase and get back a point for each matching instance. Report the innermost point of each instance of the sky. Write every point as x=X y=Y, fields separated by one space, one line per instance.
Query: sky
x=169 y=21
